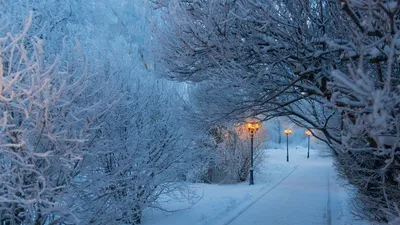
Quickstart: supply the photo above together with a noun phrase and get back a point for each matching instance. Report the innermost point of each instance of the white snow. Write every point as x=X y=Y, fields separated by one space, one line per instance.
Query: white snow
x=391 y=6
x=301 y=192
x=375 y=52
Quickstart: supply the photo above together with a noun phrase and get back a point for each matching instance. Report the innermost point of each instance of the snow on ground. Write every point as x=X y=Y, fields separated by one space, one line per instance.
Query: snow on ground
x=301 y=192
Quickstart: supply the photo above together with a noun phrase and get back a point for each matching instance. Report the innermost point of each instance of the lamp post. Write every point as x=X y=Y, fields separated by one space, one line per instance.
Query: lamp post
x=287 y=132
x=308 y=133
x=253 y=126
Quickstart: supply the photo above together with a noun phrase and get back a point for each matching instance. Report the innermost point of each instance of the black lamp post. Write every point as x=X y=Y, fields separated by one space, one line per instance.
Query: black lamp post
x=308 y=133
x=253 y=127
x=287 y=132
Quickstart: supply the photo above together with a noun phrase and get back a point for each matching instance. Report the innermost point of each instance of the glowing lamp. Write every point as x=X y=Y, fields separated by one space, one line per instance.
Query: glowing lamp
x=288 y=131
x=253 y=126
x=308 y=133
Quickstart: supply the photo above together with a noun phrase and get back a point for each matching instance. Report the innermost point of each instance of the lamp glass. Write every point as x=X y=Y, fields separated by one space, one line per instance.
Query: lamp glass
x=288 y=131
x=253 y=125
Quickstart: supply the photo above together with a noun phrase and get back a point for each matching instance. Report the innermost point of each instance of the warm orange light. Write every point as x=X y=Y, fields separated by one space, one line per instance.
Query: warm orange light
x=288 y=131
x=253 y=125
x=308 y=132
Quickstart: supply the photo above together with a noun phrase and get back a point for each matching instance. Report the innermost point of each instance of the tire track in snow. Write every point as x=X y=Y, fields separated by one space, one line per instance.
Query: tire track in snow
x=329 y=211
x=258 y=198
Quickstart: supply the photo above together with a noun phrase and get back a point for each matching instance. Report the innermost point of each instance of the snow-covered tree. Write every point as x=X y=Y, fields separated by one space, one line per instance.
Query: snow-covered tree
x=145 y=154
x=242 y=57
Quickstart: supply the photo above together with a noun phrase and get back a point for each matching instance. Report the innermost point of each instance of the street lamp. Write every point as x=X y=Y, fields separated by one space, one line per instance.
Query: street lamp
x=253 y=126
x=287 y=132
x=308 y=133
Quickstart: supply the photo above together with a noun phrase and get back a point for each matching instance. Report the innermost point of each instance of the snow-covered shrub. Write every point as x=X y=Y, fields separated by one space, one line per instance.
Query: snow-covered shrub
x=232 y=162
x=144 y=152
x=369 y=155
x=43 y=130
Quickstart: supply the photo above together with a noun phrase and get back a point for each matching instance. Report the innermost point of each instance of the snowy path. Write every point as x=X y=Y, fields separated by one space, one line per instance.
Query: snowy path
x=301 y=199
x=301 y=192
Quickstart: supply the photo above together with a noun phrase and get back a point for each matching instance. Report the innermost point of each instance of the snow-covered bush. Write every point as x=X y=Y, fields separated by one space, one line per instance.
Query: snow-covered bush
x=144 y=155
x=369 y=155
x=43 y=130
x=232 y=161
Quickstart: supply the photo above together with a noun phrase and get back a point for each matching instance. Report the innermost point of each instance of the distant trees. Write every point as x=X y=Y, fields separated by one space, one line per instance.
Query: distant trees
x=278 y=127
x=328 y=65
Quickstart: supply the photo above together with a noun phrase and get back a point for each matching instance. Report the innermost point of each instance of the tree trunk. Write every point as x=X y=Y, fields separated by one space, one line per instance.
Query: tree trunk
x=136 y=215
x=279 y=135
